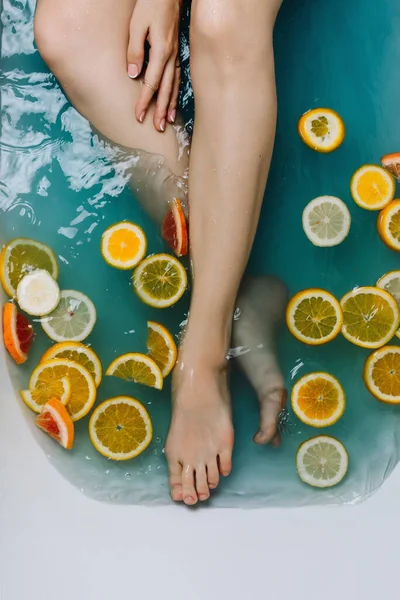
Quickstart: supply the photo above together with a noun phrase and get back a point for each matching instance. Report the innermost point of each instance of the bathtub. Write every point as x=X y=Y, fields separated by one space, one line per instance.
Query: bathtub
x=53 y=538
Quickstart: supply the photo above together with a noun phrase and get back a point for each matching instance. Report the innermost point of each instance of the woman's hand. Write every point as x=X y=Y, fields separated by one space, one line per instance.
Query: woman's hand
x=156 y=21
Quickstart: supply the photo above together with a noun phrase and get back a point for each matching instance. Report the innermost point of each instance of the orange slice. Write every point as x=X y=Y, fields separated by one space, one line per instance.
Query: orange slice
x=17 y=333
x=120 y=428
x=389 y=225
x=161 y=347
x=382 y=374
x=371 y=317
x=318 y=399
x=322 y=129
x=391 y=162
x=46 y=378
x=123 y=245
x=314 y=317
x=79 y=353
x=174 y=229
x=57 y=423
x=62 y=391
x=372 y=187
x=138 y=368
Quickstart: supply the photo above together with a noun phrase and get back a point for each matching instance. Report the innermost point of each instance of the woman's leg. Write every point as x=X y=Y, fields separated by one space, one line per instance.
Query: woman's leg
x=232 y=67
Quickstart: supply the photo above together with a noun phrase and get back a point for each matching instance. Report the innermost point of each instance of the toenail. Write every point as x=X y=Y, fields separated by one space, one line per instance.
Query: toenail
x=204 y=497
x=189 y=499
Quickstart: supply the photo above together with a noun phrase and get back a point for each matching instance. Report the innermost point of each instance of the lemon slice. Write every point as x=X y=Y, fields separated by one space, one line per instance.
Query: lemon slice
x=326 y=221
x=322 y=129
x=160 y=280
x=382 y=374
x=318 y=399
x=322 y=461
x=72 y=320
x=138 y=368
x=62 y=391
x=123 y=245
x=79 y=353
x=22 y=256
x=391 y=283
x=389 y=225
x=314 y=317
x=161 y=347
x=372 y=187
x=120 y=428
x=38 y=294
x=45 y=380
x=370 y=317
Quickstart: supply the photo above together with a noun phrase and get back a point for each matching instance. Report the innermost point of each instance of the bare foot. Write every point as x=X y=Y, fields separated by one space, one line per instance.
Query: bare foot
x=261 y=303
x=200 y=440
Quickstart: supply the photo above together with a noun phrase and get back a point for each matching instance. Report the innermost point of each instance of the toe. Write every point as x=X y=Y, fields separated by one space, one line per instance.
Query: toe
x=225 y=462
x=175 y=481
x=270 y=407
x=188 y=490
x=203 y=492
x=212 y=474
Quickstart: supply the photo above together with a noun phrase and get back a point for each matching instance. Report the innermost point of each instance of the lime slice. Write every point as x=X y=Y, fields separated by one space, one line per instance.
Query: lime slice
x=326 y=221
x=322 y=461
x=160 y=280
x=73 y=320
x=38 y=294
x=22 y=256
x=391 y=283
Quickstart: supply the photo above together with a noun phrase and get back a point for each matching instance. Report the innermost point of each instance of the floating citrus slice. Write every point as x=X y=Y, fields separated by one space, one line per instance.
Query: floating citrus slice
x=57 y=423
x=79 y=353
x=45 y=382
x=326 y=221
x=17 y=333
x=123 y=245
x=160 y=280
x=36 y=399
x=372 y=187
x=389 y=225
x=174 y=229
x=314 y=317
x=120 y=428
x=391 y=283
x=72 y=320
x=322 y=129
x=322 y=461
x=391 y=162
x=161 y=347
x=22 y=256
x=370 y=317
x=318 y=399
x=382 y=374
x=38 y=294
x=138 y=368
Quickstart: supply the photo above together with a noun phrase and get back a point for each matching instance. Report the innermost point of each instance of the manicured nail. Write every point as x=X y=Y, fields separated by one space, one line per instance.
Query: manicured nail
x=133 y=71
x=162 y=125
x=142 y=116
x=172 y=116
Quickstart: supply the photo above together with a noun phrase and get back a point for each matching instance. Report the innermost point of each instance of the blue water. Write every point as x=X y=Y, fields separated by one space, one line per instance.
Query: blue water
x=56 y=186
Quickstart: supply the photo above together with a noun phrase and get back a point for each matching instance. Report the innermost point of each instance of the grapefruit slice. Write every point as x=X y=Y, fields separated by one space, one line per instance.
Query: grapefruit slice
x=391 y=162
x=17 y=333
x=56 y=422
x=174 y=229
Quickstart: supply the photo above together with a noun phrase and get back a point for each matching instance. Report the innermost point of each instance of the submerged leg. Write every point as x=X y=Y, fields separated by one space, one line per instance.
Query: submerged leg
x=232 y=68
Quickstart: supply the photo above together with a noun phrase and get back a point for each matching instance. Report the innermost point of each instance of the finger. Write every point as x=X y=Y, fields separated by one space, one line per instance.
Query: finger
x=164 y=95
x=152 y=79
x=174 y=95
x=135 y=53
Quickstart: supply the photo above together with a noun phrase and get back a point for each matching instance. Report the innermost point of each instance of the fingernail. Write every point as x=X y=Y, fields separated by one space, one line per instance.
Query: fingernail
x=133 y=71
x=142 y=116
x=172 y=116
x=162 y=125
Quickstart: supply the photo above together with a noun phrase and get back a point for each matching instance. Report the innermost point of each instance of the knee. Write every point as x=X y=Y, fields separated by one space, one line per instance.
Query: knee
x=54 y=35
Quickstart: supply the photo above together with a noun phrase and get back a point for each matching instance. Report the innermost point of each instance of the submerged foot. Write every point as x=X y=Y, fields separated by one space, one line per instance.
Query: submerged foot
x=261 y=303
x=200 y=440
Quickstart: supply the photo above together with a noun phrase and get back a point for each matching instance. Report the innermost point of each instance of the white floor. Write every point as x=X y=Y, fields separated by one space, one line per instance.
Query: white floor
x=57 y=544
